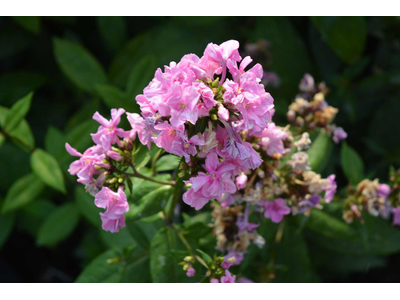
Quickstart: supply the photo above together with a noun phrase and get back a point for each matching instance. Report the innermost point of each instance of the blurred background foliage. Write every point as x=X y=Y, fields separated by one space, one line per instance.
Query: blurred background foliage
x=77 y=65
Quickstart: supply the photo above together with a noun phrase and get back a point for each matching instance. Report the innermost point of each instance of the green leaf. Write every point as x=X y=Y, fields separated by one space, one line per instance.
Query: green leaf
x=23 y=191
x=59 y=225
x=319 y=152
x=163 y=264
x=117 y=240
x=138 y=234
x=352 y=164
x=150 y=204
x=345 y=35
x=113 y=31
x=289 y=56
x=99 y=271
x=137 y=270
x=2 y=139
x=17 y=112
x=142 y=73
x=46 y=167
x=30 y=23
x=85 y=203
x=33 y=215
x=329 y=226
x=55 y=142
x=113 y=97
x=22 y=135
x=6 y=225
x=81 y=67
x=207 y=258
x=167 y=163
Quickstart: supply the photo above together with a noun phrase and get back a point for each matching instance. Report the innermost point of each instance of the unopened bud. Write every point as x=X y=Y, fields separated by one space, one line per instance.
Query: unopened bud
x=120 y=180
x=189 y=259
x=219 y=259
x=181 y=174
x=214 y=117
x=112 y=181
x=215 y=83
x=112 y=261
x=220 y=271
x=186 y=267
x=97 y=167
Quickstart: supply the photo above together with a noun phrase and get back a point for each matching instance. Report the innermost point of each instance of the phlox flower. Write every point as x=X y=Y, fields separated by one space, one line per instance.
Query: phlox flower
x=142 y=127
x=243 y=223
x=79 y=164
x=115 y=204
x=228 y=278
x=383 y=190
x=396 y=216
x=330 y=191
x=271 y=139
x=339 y=134
x=108 y=133
x=275 y=210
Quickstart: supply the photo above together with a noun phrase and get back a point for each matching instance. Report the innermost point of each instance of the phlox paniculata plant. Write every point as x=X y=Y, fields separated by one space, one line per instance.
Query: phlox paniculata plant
x=215 y=114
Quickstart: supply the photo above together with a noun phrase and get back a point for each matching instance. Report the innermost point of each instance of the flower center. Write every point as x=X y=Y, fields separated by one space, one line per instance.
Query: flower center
x=182 y=106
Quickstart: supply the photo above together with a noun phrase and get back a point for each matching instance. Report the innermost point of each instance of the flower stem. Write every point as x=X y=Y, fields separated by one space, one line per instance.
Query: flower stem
x=137 y=174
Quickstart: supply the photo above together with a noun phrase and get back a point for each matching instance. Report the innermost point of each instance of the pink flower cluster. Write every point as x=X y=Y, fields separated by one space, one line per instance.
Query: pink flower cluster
x=91 y=165
x=180 y=102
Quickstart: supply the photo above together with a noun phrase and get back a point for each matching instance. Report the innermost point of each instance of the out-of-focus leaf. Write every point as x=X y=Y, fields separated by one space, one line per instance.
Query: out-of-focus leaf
x=85 y=203
x=6 y=225
x=352 y=164
x=289 y=56
x=150 y=204
x=117 y=240
x=140 y=76
x=207 y=258
x=113 y=31
x=329 y=226
x=318 y=153
x=23 y=191
x=345 y=35
x=113 y=97
x=100 y=271
x=17 y=113
x=59 y=225
x=46 y=167
x=33 y=215
x=163 y=264
x=30 y=23
x=137 y=270
x=55 y=142
x=297 y=264
x=81 y=67
x=167 y=163
x=14 y=41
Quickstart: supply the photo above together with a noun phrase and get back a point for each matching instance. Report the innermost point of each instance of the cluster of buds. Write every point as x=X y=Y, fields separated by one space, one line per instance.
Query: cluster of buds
x=375 y=198
x=310 y=110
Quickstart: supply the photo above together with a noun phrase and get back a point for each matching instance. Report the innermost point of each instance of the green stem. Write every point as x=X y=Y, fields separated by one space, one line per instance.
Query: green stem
x=137 y=174
x=175 y=198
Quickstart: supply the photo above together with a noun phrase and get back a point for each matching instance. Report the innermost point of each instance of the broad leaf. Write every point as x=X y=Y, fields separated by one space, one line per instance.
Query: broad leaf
x=17 y=112
x=23 y=191
x=352 y=164
x=113 y=97
x=142 y=73
x=6 y=225
x=55 y=142
x=345 y=35
x=81 y=67
x=329 y=226
x=113 y=31
x=85 y=203
x=319 y=152
x=59 y=225
x=30 y=23
x=46 y=167
x=167 y=163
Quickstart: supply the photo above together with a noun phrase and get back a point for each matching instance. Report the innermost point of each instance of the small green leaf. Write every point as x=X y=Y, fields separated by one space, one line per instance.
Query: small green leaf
x=167 y=163
x=318 y=152
x=59 y=225
x=17 y=112
x=6 y=225
x=99 y=271
x=329 y=226
x=142 y=73
x=46 y=167
x=207 y=258
x=113 y=97
x=81 y=67
x=21 y=135
x=30 y=23
x=85 y=203
x=117 y=240
x=23 y=191
x=352 y=164
x=346 y=36
x=33 y=215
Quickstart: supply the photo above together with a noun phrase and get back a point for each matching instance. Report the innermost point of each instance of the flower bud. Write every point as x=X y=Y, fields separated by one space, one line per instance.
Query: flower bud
x=189 y=259
x=214 y=117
